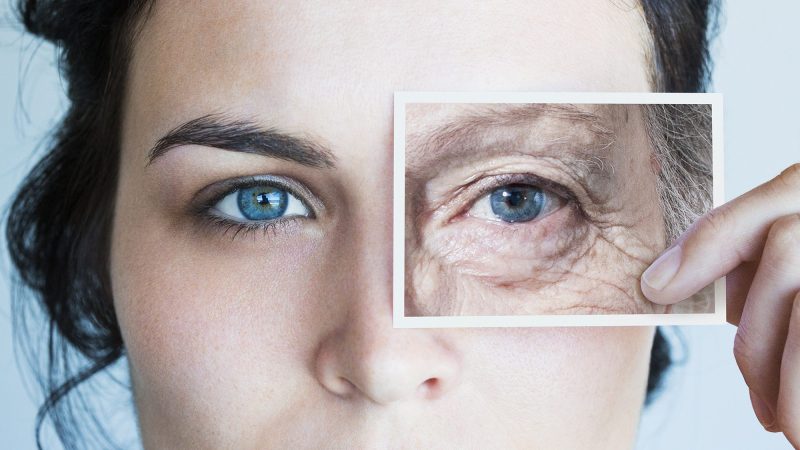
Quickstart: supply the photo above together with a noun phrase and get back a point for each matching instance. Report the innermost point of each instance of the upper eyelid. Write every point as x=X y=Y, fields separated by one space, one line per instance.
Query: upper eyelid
x=583 y=176
x=530 y=179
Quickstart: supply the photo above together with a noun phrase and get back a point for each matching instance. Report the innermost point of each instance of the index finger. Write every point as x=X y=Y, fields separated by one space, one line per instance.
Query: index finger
x=721 y=240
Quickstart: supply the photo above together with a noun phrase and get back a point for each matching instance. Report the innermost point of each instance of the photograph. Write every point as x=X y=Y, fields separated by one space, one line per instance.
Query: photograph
x=209 y=239
x=530 y=208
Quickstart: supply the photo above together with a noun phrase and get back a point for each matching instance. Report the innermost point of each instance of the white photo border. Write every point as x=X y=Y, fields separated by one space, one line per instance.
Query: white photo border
x=398 y=283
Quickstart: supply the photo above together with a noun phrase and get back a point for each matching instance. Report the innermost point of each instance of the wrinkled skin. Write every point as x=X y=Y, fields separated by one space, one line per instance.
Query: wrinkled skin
x=582 y=255
x=283 y=338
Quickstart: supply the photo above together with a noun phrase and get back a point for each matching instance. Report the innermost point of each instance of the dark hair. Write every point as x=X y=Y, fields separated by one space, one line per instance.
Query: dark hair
x=680 y=59
x=681 y=32
x=60 y=218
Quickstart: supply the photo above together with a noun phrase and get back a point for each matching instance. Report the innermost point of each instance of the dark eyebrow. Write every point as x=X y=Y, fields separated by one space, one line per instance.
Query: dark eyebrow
x=245 y=136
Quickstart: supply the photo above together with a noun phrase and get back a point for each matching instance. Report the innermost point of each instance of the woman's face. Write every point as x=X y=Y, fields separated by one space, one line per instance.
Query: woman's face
x=277 y=332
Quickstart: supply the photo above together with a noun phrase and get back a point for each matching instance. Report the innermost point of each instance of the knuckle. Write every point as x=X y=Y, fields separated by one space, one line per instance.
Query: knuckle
x=713 y=222
x=790 y=177
x=784 y=234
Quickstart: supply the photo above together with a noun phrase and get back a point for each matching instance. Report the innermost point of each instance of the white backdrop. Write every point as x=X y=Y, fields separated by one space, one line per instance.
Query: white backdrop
x=705 y=404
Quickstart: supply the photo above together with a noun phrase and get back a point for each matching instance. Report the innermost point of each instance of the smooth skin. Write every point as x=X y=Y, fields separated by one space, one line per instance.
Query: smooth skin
x=754 y=240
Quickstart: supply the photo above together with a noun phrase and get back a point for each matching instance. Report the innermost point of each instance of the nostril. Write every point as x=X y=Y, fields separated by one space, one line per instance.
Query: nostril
x=429 y=388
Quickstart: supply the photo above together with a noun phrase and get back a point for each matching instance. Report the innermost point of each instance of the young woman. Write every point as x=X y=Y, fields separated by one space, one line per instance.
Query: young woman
x=246 y=328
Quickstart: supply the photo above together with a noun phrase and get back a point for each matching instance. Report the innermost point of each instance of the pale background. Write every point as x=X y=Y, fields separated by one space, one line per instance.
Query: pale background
x=705 y=405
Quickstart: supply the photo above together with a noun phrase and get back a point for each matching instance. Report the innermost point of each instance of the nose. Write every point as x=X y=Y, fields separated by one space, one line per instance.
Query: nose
x=363 y=357
x=372 y=360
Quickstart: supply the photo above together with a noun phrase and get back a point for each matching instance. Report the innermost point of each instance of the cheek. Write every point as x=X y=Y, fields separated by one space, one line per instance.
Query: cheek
x=562 y=265
x=217 y=317
x=591 y=378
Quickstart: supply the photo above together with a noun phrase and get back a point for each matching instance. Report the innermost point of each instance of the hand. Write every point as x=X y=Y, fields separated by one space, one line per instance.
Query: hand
x=755 y=241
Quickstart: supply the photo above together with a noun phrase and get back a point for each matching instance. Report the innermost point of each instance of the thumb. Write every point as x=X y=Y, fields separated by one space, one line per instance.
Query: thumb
x=721 y=240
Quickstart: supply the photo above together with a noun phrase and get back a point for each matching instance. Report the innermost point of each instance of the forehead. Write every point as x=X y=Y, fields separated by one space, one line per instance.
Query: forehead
x=442 y=135
x=340 y=61
x=423 y=119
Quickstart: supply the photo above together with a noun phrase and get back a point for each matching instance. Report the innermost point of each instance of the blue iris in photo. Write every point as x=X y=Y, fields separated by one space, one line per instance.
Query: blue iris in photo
x=517 y=202
x=262 y=202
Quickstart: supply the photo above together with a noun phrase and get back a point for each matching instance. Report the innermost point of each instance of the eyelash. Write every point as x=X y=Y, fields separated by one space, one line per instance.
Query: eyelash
x=243 y=229
x=207 y=201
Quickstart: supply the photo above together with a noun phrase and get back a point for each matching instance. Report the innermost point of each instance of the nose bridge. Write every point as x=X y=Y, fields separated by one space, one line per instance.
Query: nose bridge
x=368 y=330
x=364 y=357
x=371 y=239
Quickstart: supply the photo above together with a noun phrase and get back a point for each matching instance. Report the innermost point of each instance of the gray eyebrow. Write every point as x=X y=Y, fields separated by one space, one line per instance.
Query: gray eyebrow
x=505 y=129
x=245 y=136
x=464 y=135
x=472 y=125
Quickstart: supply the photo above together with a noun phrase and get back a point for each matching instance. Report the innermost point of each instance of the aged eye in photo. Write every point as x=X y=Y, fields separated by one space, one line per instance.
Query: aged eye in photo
x=530 y=209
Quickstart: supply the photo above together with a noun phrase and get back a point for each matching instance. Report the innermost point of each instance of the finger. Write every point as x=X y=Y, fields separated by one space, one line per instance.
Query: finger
x=788 y=418
x=764 y=324
x=721 y=240
x=737 y=285
x=764 y=414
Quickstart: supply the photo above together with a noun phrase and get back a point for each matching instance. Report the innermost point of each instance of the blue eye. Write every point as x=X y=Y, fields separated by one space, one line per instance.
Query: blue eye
x=515 y=203
x=260 y=203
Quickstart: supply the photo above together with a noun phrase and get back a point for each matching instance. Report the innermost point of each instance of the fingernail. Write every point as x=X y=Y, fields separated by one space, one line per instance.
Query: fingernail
x=663 y=269
x=763 y=413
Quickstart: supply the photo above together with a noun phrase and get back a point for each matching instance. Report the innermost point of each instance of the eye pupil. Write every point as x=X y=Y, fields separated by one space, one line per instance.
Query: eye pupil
x=517 y=203
x=263 y=199
x=514 y=198
x=262 y=202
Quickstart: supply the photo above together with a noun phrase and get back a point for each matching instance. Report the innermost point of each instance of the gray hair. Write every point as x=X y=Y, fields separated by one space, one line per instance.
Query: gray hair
x=681 y=139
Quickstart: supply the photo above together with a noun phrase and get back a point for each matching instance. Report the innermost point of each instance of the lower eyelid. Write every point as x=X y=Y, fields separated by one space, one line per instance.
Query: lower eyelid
x=210 y=220
x=470 y=241
x=232 y=229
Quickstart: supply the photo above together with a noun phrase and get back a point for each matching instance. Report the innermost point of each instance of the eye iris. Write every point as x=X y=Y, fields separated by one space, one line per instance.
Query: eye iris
x=517 y=203
x=262 y=202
